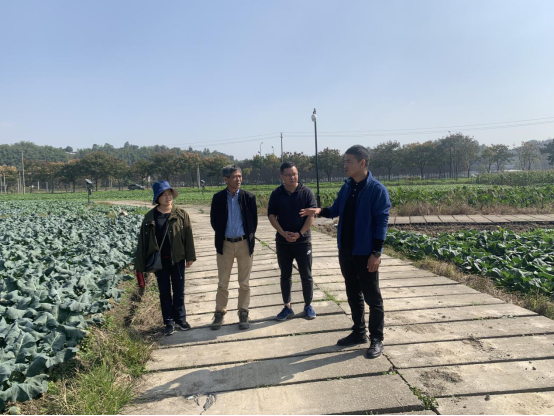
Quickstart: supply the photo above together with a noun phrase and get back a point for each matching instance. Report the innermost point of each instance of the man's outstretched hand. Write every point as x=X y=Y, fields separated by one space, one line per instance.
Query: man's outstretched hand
x=306 y=212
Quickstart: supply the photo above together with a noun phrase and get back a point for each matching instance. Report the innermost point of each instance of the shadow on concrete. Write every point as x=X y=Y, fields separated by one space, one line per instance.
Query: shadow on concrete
x=263 y=373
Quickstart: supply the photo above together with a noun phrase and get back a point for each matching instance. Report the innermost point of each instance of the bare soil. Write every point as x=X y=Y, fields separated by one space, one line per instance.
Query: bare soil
x=434 y=229
x=425 y=208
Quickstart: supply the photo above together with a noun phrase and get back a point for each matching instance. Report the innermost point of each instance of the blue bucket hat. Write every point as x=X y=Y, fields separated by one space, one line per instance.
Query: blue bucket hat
x=160 y=187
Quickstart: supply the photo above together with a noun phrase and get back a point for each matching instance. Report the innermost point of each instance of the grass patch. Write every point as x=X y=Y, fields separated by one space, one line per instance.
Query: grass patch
x=429 y=402
x=104 y=376
x=329 y=296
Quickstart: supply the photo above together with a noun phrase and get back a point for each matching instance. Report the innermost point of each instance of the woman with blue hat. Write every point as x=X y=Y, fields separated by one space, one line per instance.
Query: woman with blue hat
x=166 y=247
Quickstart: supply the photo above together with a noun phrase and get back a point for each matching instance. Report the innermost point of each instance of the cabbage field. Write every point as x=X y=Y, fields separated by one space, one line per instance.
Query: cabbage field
x=522 y=262
x=60 y=266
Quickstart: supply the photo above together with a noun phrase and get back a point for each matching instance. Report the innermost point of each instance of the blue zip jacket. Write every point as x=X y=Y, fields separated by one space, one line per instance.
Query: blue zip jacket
x=372 y=214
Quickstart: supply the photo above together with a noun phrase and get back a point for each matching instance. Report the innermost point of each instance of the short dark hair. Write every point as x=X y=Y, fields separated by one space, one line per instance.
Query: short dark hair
x=286 y=165
x=228 y=170
x=360 y=152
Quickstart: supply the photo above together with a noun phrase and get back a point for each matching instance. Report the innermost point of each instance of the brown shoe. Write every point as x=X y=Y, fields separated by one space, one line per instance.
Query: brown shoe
x=244 y=321
x=219 y=317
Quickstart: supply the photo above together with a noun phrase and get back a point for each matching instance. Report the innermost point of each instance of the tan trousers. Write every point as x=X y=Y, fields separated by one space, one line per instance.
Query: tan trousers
x=232 y=251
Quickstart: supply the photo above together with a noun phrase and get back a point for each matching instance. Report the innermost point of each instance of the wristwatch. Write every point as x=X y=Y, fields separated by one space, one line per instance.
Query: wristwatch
x=376 y=253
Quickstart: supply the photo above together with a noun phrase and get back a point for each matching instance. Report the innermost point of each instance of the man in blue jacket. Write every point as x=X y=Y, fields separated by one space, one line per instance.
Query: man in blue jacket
x=363 y=207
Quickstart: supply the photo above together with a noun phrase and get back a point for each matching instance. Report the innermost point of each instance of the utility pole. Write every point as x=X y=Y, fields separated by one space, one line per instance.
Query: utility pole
x=281 y=148
x=198 y=175
x=23 y=172
x=314 y=119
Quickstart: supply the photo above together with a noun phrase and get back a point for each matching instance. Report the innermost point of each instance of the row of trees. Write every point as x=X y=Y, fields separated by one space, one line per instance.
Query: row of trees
x=449 y=157
x=100 y=168
x=457 y=155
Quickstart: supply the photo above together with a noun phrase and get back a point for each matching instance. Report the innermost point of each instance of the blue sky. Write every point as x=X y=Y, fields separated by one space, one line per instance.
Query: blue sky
x=214 y=73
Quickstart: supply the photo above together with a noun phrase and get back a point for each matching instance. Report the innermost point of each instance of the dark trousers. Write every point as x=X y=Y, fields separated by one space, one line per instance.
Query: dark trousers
x=302 y=252
x=172 y=278
x=362 y=285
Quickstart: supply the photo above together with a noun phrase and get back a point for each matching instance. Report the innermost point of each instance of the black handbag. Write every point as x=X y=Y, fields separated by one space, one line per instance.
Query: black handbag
x=154 y=262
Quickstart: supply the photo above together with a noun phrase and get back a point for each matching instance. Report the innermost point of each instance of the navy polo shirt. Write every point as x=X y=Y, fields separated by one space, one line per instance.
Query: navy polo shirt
x=286 y=207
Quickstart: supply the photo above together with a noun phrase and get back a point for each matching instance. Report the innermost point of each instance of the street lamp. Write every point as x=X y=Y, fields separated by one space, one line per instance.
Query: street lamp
x=314 y=119
x=261 y=161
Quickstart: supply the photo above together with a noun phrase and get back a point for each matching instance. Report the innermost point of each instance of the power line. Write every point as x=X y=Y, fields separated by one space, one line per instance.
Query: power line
x=436 y=128
x=257 y=137
x=412 y=133
x=382 y=133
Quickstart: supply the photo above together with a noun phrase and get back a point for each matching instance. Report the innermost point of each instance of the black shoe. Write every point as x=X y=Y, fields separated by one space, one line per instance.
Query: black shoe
x=218 y=320
x=244 y=320
x=375 y=349
x=169 y=330
x=353 y=339
x=183 y=327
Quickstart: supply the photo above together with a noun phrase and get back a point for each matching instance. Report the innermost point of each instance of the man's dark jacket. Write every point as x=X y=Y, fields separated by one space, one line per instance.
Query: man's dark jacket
x=219 y=214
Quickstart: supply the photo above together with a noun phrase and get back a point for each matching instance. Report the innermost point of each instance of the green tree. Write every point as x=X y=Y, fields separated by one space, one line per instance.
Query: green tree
x=527 y=154
x=386 y=155
x=165 y=165
x=188 y=164
x=271 y=165
x=549 y=151
x=500 y=155
x=97 y=165
x=468 y=149
x=329 y=161
x=120 y=171
x=71 y=172
x=214 y=164
x=487 y=157
x=420 y=155
x=142 y=168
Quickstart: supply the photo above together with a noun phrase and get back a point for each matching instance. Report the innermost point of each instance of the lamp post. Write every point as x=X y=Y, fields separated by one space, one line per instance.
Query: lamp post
x=281 y=148
x=261 y=162
x=314 y=119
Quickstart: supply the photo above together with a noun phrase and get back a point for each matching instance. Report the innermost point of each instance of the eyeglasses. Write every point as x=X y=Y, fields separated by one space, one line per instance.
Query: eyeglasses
x=294 y=175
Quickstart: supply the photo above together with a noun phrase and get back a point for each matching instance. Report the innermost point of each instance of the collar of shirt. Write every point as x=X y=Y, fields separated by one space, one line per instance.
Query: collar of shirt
x=231 y=195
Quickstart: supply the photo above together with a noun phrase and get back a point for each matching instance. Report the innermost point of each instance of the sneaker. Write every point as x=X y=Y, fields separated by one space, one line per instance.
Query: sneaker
x=218 y=320
x=309 y=312
x=244 y=320
x=353 y=339
x=285 y=313
x=375 y=349
x=183 y=327
x=169 y=330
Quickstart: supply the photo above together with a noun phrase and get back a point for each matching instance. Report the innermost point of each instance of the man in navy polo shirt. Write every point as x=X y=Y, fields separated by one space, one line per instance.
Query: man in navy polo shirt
x=363 y=207
x=293 y=236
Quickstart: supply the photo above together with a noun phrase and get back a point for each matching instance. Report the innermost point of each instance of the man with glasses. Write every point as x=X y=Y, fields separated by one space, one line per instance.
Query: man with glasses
x=293 y=239
x=363 y=207
x=234 y=218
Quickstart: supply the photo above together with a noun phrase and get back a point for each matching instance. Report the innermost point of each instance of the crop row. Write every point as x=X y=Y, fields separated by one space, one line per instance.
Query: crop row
x=472 y=195
x=517 y=178
x=521 y=262
x=60 y=265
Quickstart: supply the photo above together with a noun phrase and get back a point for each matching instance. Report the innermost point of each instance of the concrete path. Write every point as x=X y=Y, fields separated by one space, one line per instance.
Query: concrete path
x=471 y=352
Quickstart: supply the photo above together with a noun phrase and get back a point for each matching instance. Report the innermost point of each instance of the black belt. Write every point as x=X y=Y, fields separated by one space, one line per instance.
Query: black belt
x=235 y=240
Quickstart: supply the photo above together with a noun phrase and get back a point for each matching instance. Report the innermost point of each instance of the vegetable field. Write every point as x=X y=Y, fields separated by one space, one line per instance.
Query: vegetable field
x=477 y=196
x=520 y=262
x=60 y=265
